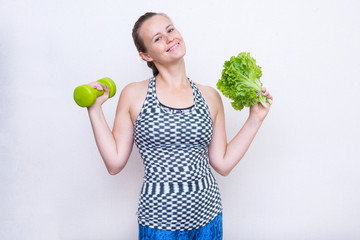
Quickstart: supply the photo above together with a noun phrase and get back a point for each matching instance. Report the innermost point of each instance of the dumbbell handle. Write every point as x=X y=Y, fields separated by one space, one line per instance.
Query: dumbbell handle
x=85 y=95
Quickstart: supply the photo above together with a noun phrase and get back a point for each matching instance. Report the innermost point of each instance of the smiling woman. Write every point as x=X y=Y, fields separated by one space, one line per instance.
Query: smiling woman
x=153 y=41
x=179 y=129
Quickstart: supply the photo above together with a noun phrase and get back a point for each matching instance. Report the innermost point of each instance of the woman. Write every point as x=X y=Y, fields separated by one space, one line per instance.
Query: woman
x=179 y=129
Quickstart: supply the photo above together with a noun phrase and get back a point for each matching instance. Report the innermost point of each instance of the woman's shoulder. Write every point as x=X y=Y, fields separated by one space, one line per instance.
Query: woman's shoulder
x=136 y=87
x=212 y=99
x=133 y=96
x=209 y=92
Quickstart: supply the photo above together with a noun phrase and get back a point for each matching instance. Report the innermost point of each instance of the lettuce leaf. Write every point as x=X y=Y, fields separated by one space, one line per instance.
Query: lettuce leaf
x=240 y=81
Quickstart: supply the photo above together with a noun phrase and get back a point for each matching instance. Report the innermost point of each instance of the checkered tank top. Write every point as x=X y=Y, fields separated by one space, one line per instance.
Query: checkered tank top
x=179 y=191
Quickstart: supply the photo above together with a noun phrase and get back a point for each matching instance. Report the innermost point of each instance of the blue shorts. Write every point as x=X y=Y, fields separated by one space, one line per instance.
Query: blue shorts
x=211 y=231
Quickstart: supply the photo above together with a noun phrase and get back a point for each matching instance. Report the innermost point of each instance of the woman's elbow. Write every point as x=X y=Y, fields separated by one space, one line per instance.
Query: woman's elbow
x=113 y=171
x=114 y=166
x=222 y=171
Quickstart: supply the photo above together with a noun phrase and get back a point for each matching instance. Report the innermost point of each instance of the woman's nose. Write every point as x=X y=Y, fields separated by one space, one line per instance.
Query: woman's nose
x=169 y=38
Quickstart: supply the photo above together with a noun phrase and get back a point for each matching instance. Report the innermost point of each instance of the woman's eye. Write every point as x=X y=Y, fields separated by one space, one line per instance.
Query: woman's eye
x=157 y=39
x=170 y=30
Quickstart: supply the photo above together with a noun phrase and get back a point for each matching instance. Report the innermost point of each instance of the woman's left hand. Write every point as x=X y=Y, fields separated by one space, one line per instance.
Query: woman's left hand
x=258 y=112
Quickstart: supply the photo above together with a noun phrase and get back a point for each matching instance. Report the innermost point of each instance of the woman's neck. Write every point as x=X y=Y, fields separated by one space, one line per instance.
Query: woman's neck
x=173 y=75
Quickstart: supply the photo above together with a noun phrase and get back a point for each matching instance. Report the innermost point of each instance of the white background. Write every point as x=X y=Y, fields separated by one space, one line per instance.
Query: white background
x=300 y=177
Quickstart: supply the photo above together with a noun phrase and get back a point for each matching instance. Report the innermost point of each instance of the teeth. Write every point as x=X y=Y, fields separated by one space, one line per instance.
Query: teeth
x=173 y=47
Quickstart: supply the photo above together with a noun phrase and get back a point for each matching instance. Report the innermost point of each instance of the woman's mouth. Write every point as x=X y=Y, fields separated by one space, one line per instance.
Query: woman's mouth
x=173 y=47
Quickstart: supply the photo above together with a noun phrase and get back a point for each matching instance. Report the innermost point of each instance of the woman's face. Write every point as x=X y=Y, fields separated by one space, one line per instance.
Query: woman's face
x=162 y=40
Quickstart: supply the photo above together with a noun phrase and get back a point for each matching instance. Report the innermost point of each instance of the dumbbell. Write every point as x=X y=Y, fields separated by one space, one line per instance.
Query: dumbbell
x=85 y=95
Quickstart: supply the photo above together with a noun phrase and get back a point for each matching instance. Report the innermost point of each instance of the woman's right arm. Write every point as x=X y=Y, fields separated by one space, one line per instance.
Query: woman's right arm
x=114 y=146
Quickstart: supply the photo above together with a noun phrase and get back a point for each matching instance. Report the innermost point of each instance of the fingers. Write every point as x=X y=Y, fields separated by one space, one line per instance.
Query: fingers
x=266 y=93
x=96 y=85
x=106 y=89
x=99 y=86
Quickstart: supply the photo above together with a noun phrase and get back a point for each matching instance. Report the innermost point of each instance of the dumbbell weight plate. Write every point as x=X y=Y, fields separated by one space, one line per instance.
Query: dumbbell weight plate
x=84 y=95
x=110 y=85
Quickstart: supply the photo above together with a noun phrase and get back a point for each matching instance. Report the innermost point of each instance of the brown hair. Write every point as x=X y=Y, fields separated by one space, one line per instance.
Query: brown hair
x=139 y=43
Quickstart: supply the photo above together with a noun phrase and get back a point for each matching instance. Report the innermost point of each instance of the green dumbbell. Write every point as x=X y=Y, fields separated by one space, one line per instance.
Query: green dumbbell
x=85 y=95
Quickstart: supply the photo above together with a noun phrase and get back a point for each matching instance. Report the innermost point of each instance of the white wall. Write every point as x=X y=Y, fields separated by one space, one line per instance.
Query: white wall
x=299 y=179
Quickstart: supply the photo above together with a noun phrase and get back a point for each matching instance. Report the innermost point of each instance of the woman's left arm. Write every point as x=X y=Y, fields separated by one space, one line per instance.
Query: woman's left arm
x=225 y=156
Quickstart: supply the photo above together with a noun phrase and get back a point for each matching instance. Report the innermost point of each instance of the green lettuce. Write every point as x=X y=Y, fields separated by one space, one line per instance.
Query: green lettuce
x=240 y=81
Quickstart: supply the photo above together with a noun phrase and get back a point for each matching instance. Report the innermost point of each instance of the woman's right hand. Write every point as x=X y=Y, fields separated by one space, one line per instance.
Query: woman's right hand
x=100 y=99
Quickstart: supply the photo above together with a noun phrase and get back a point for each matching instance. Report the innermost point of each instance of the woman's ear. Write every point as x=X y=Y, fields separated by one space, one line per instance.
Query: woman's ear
x=146 y=57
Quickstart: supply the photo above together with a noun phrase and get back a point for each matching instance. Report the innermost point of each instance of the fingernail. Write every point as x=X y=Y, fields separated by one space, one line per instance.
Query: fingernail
x=105 y=85
x=258 y=93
